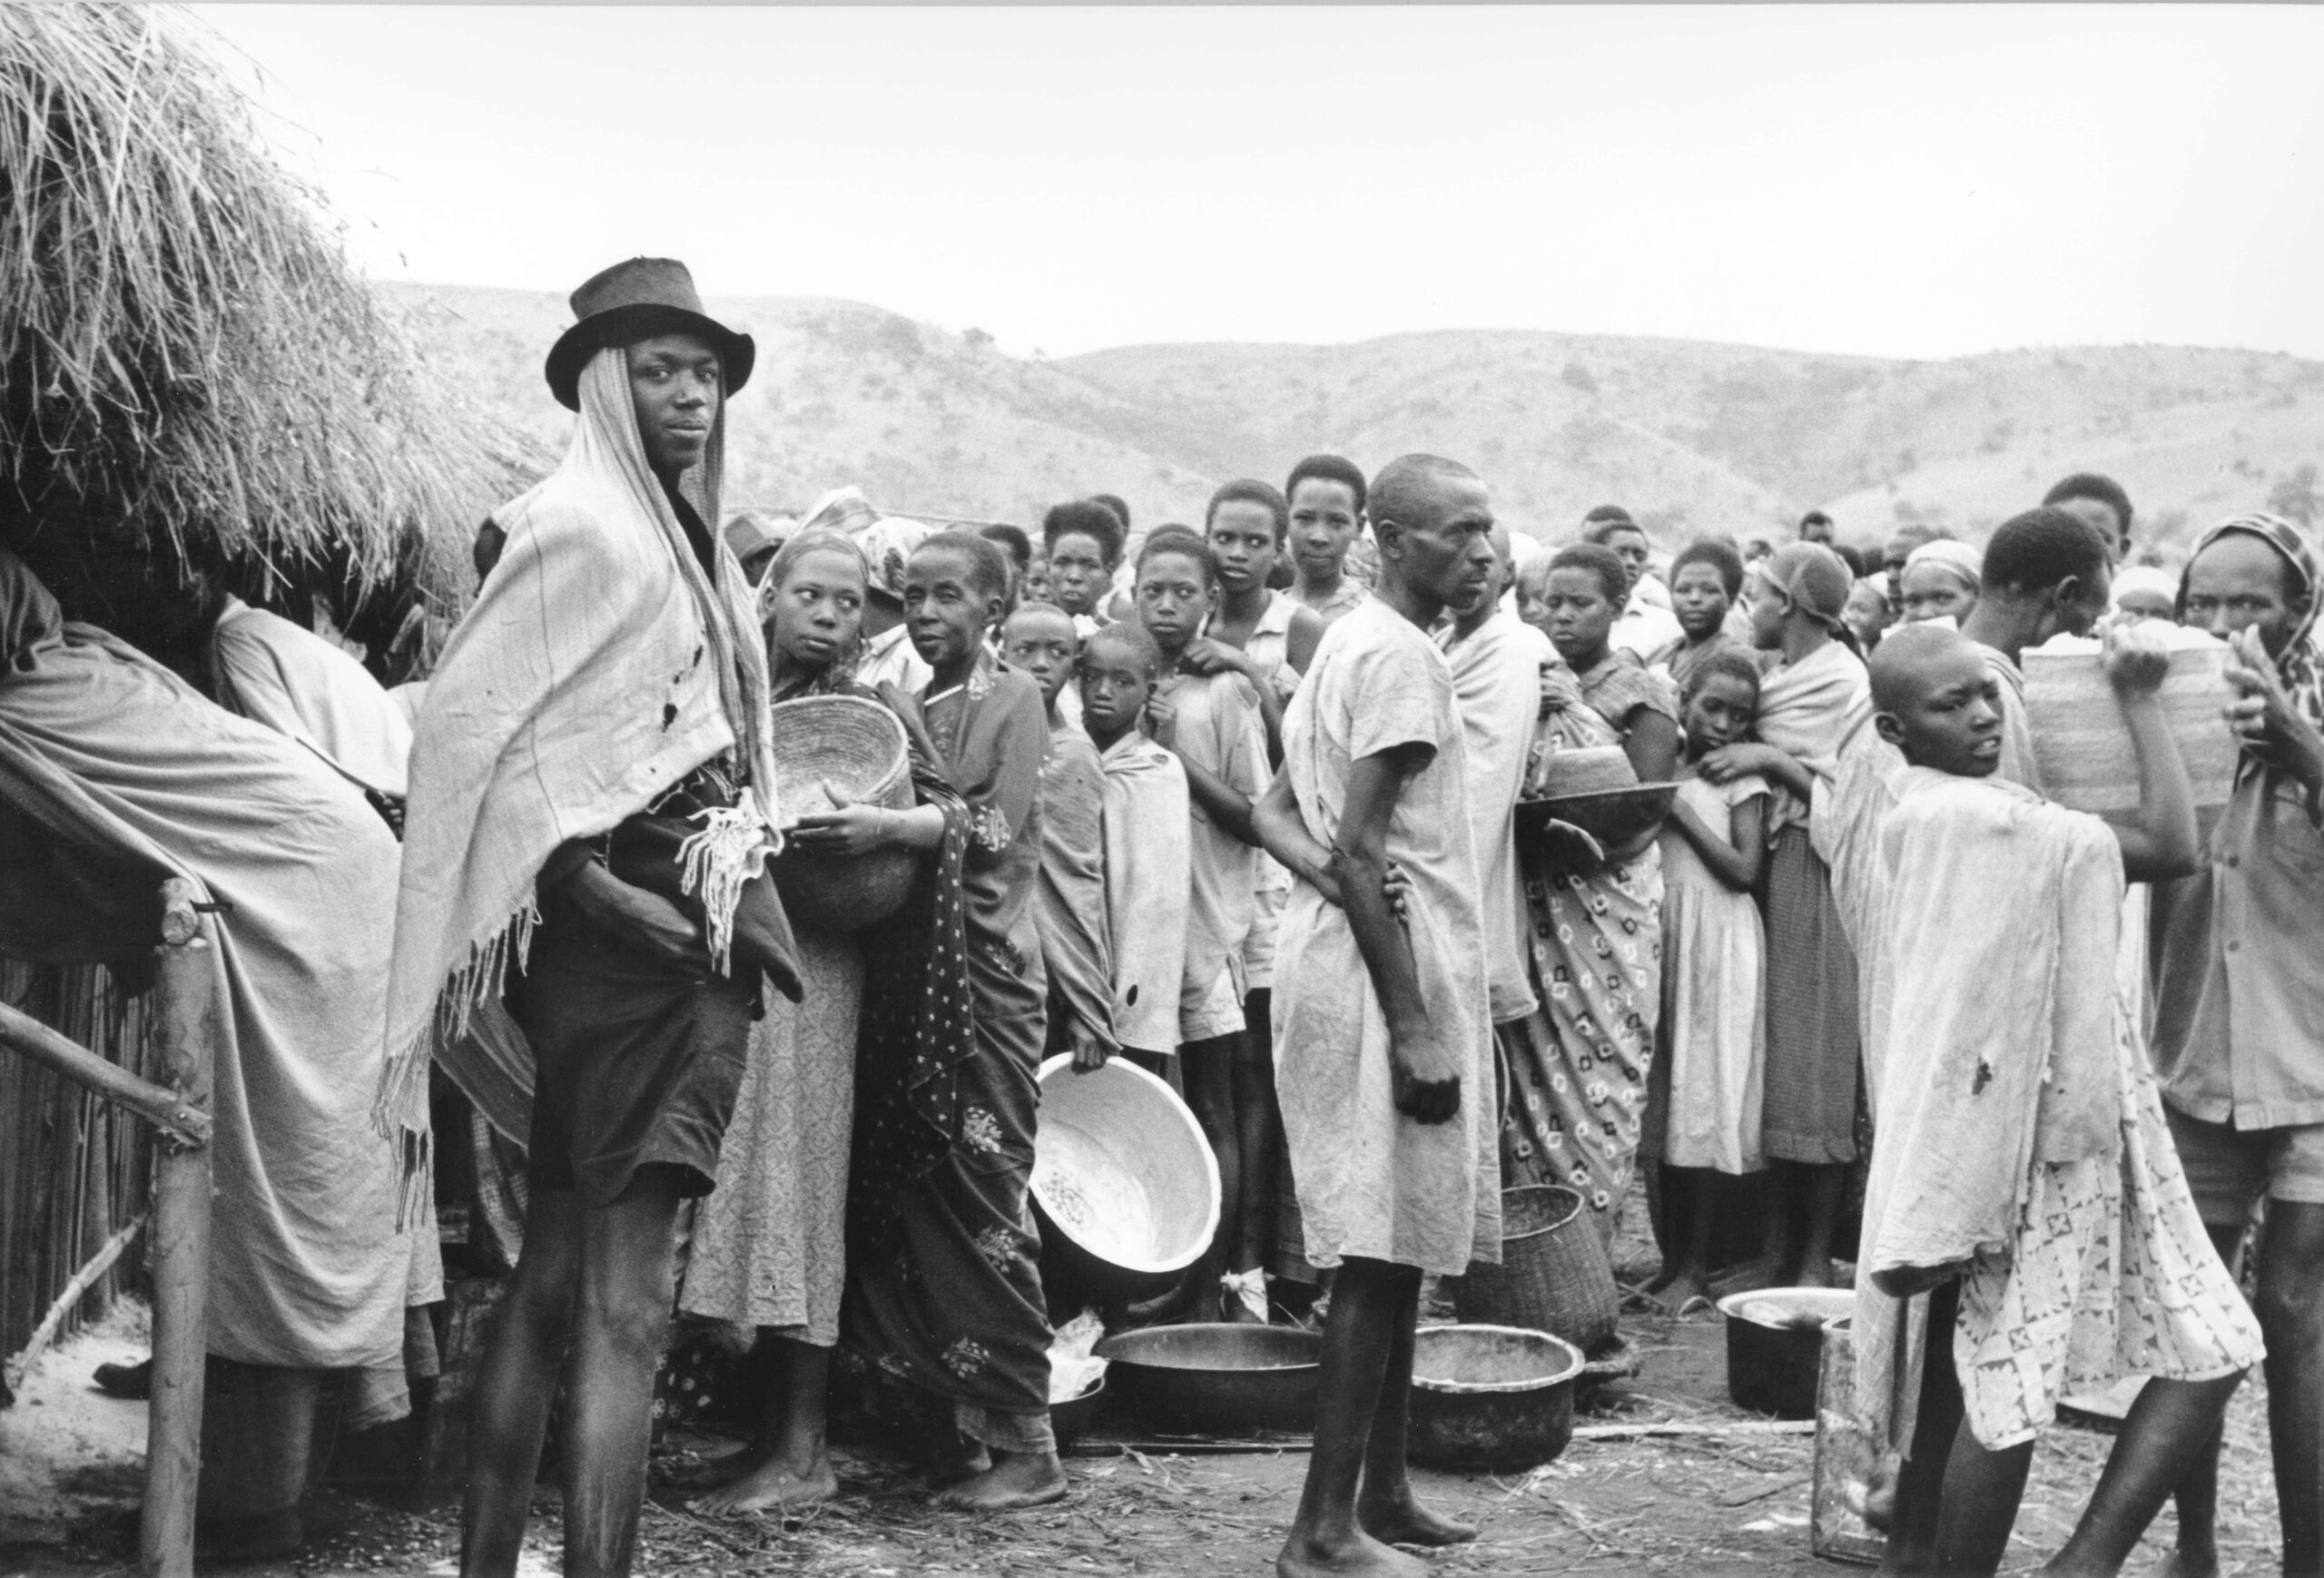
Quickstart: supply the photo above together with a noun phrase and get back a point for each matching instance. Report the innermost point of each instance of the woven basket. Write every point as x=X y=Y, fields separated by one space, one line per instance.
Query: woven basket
x=2083 y=746
x=858 y=748
x=1553 y=1274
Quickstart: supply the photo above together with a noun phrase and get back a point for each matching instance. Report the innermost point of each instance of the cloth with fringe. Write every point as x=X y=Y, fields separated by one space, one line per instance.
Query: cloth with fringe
x=602 y=663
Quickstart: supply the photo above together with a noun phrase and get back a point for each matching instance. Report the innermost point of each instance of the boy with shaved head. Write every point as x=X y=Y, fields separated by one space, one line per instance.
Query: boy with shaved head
x=2025 y=1185
x=1383 y=1051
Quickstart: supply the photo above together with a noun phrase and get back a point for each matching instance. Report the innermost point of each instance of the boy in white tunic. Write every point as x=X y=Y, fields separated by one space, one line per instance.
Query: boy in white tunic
x=2025 y=1177
x=1382 y=1051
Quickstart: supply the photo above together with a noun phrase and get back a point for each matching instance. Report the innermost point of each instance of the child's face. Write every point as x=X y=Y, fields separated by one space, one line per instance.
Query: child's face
x=1949 y=717
x=1631 y=547
x=1114 y=686
x=1037 y=579
x=1174 y=597
x=1769 y=607
x=945 y=610
x=1933 y=592
x=1698 y=599
x=1577 y=614
x=1242 y=534
x=1324 y=522
x=1079 y=574
x=1720 y=711
x=818 y=610
x=1866 y=614
x=1043 y=644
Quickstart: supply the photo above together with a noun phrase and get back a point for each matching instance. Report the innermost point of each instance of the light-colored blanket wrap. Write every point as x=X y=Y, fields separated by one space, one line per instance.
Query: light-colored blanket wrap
x=598 y=667
x=290 y=679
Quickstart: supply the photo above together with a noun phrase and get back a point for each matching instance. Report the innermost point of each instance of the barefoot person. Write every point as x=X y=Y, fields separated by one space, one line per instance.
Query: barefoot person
x=2239 y=1002
x=2025 y=1179
x=943 y=1296
x=594 y=741
x=1383 y=1052
x=769 y=1244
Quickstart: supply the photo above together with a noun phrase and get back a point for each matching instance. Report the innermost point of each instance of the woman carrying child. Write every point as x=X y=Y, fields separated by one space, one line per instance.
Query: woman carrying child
x=1578 y=1064
x=768 y=1249
x=1703 y=1119
x=943 y=1291
x=1812 y=708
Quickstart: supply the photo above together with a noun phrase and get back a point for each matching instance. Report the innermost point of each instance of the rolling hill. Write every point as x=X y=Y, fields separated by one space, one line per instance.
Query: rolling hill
x=1691 y=437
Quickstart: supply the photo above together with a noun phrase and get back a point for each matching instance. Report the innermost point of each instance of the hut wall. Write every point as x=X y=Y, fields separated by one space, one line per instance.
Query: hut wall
x=74 y=1170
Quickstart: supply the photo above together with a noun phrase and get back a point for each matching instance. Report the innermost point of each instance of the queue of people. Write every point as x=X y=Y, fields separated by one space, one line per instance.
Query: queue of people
x=1237 y=799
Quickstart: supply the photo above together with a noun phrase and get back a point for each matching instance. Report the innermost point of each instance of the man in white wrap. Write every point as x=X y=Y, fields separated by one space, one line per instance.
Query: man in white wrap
x=1383 y=1057
x=595 y=742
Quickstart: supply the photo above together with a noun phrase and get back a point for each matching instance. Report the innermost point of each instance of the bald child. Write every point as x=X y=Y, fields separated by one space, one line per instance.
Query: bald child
x=2025 y=1182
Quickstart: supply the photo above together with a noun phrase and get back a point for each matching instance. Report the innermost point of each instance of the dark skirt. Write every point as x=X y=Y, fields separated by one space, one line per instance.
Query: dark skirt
x=1813 y=1043
x=637 y=1062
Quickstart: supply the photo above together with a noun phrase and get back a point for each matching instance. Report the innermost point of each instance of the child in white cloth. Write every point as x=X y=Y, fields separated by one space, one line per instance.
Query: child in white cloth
x=1712 y=1055
x=2025 y=1179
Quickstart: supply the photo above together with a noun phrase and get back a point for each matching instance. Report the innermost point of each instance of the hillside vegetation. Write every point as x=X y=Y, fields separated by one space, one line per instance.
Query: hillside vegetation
x=1690 y=437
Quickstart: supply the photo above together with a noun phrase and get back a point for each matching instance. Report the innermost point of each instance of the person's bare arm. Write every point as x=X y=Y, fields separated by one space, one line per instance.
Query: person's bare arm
x=1283 y=833
x=1736 y=863
x=1652 y=746
x=646 y=921
x=1729 y=763
x=1427 y=1076
x=1306 y=634
x=852 y=828
x=2161 y=843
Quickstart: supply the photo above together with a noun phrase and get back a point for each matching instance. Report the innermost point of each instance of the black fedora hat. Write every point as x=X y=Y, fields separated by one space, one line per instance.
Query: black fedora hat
x=633 y=300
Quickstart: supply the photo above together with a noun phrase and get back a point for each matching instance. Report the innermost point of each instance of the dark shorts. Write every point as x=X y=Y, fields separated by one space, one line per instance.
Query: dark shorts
x=635 y=1063
x=2229 y=1169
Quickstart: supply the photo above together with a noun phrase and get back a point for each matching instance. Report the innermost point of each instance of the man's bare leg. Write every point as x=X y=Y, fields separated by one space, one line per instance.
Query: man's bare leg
x=1208 y=1067
x=1920 y=1482
x=516 y=1385
x=1826 y=1187
x=628 y=1280
x=1979 y=1508
x=1367 y=1298
x=2195 y=1550
x=1385 y=1506
x=1257 y=1128
x=789 y=1463
x=2164 y=1433
x=2290 y=1306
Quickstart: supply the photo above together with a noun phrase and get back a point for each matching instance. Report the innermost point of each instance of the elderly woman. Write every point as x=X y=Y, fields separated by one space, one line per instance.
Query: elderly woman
x=1940 y=581
x=769 y=1245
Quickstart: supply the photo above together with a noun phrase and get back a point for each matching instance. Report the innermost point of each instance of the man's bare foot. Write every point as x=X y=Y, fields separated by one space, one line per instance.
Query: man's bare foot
x=1407 y=1523
x=1016 y=1480
x=770 y=1483
x=2183 y=1563
x=1360 y=1557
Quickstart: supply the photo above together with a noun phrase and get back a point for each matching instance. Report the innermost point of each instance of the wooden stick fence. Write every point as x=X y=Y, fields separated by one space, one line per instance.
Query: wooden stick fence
x=178 y=1108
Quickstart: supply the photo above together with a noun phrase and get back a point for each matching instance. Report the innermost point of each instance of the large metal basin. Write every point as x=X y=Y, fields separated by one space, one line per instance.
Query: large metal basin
x=1490 y=1397
x=1220 y=1379
x=1125 y=1185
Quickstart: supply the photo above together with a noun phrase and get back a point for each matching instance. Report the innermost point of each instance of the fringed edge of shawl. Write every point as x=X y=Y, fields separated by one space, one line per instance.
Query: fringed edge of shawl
x=400 y=1110
x=731 y=849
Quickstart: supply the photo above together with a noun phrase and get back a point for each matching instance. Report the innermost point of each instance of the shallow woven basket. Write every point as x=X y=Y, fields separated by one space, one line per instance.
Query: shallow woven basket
x=858 y=748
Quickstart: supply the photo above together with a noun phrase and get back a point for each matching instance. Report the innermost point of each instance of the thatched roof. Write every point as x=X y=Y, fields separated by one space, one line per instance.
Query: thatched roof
x=190 y=370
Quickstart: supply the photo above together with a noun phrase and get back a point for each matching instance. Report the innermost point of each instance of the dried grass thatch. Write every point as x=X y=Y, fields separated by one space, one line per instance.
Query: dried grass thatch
x=190 y=373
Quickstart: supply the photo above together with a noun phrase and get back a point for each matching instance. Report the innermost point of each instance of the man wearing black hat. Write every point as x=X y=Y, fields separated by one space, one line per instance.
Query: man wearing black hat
x=588 y=824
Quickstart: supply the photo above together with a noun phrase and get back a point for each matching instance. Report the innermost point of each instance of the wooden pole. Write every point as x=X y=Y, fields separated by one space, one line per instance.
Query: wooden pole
x=180 y=1120
x=180 y=1243
x=13 y=1371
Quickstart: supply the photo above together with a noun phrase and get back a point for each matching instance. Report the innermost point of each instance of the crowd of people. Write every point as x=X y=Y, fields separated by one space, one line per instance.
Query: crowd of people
x=1237 y=799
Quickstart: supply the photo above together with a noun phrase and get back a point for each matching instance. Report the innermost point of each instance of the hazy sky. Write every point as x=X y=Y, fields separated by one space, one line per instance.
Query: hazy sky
x=1898 y=180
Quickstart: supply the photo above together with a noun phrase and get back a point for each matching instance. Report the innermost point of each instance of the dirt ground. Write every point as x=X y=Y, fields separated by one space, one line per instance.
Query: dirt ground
x=1711 y=1504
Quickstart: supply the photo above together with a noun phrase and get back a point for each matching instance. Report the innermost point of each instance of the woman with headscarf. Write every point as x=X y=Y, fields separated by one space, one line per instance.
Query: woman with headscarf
x=1940 y=581
x=2237 y=996
x=1814 y=709
x=769 y=1247
x=1578 y=1063
x=591 y=809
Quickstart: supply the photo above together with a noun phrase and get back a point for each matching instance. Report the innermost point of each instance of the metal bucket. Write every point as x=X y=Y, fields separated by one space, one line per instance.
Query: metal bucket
x=1553 y=1274
x=1490 y=1397
x=1125 y=1187
x=1775 y=1347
